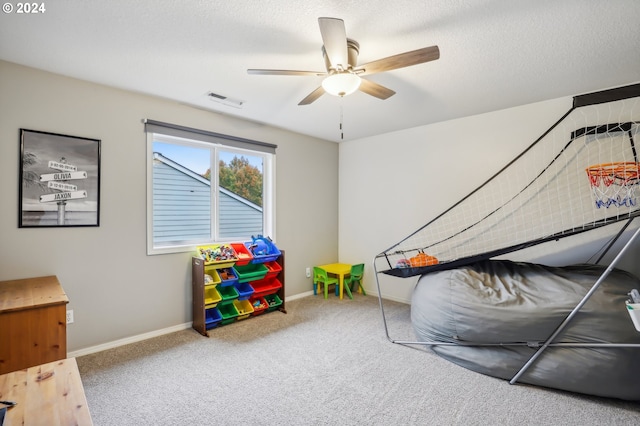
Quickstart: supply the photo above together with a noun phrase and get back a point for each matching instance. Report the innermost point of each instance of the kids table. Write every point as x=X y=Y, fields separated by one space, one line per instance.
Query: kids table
x=339 y=269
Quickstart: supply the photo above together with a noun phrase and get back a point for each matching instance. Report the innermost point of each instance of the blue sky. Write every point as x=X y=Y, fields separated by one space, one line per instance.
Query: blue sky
x=197 y=159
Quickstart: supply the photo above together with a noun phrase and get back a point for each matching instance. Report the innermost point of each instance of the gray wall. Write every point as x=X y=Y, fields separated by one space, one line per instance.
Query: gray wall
x=115 y=289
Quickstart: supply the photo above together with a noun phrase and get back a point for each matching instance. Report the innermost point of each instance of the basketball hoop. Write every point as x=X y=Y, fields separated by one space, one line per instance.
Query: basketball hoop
x=614 y=184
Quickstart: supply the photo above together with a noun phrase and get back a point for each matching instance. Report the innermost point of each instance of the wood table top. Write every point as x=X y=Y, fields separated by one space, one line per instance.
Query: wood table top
x=49 y=394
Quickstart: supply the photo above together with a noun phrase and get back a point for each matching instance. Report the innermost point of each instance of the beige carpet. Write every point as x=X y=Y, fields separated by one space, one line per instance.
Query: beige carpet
x=325 y=362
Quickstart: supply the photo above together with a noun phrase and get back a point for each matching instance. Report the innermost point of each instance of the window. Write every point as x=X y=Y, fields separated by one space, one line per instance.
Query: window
x=204 y=188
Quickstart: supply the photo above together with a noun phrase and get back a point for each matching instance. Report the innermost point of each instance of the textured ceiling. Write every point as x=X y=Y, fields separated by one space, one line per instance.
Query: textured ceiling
x=494 y=54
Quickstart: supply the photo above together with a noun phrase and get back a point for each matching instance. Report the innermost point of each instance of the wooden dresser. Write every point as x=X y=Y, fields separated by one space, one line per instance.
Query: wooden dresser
x=33 y=327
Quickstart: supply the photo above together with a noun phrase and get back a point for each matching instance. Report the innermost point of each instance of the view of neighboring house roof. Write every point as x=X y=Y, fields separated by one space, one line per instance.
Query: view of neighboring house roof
x=200 y=178
x=178 y=215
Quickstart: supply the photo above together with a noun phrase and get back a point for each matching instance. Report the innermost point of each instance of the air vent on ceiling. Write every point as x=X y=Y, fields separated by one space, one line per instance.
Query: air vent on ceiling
x=236 y=103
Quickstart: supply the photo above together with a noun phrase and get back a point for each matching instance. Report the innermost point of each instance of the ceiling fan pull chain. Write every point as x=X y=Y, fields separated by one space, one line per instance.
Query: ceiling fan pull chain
x=341 y=114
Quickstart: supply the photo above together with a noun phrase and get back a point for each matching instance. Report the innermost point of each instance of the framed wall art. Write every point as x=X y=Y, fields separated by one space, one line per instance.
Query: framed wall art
x=59 y=180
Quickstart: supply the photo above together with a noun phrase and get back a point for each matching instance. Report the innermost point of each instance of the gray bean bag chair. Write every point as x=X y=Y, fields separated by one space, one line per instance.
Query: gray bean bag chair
x=503 y=301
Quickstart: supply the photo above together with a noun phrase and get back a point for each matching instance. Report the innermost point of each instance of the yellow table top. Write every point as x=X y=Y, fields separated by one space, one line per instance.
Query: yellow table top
x=337 y=268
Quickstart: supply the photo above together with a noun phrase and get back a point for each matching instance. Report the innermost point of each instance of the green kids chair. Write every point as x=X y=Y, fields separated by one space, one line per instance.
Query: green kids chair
x=320 y=277
x=357 y=271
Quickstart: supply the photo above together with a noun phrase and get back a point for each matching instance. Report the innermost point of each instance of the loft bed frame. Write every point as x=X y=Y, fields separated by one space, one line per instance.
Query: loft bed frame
x=450 y=258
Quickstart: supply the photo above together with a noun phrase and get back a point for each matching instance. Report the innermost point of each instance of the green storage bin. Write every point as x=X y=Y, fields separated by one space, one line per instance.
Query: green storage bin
x=251 y=272
x=274 y=302
x=228 y=312
x=228 y=293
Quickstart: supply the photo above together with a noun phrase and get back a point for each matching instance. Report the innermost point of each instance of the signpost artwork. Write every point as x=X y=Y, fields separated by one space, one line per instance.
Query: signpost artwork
x=59 y=180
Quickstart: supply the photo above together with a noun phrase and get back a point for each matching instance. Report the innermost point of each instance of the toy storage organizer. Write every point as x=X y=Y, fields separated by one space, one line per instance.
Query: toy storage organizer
x=236 y=288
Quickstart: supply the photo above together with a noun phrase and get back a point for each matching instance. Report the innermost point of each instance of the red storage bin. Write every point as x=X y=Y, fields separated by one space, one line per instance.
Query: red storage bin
x=265 y=287
x=242 y=253
x=259 y=304
x=273 y=269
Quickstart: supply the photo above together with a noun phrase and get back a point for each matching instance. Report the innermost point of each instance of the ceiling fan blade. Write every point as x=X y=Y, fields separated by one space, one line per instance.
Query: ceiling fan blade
x=401 y=60
x=334 y=38
x=374 y=89
x=283 y=72
x=312 y=96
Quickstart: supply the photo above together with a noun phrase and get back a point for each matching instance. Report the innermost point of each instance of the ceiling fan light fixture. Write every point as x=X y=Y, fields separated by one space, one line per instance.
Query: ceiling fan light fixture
x=341 y=84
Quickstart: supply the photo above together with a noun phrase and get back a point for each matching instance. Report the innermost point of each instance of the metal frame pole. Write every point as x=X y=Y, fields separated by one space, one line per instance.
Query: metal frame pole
x=575 y=310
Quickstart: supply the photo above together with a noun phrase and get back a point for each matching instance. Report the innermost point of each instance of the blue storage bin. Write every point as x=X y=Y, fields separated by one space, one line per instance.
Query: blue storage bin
x=228 y=276
x=244 y=290
x=262 y=249
x=212 y=318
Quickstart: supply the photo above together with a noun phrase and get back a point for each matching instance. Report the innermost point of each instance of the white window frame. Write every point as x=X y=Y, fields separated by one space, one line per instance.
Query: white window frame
x=268 y=193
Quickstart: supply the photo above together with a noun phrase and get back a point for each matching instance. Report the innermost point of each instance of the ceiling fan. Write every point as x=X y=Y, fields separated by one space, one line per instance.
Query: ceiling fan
x=343 y=74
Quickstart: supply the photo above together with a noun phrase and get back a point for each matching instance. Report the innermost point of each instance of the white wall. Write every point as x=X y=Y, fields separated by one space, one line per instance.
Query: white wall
x=115 y=289
x=392 y=184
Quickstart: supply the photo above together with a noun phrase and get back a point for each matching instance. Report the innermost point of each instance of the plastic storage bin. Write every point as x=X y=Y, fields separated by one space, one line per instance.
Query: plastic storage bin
x=227 y=276
x=211 y=276
x=228 y=293
x=211 y=297
x=263 y=250
x=228 y=312
x=274 y=301
x=242 y=253
x=212 y=318
x=221 y=255
x=266 y=286
x=244 y=309
x=259 y=305
x=273 y=269
x=244 y=290
x=250 y=272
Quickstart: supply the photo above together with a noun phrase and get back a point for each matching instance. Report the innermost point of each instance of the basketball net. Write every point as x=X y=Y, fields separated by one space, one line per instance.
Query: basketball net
x=614 y=184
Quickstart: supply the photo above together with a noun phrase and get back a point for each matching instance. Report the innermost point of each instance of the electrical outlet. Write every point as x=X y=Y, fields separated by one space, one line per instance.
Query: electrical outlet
x=308 y=271
x=70 y=316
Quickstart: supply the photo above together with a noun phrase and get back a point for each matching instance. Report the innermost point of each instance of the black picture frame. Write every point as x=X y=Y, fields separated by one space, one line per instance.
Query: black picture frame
x=59 y=181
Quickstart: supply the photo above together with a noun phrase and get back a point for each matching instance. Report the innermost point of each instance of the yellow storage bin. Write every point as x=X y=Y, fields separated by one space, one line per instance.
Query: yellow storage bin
x=244 y=309
x=211 y=276
x=221 y=255
x=211 y=296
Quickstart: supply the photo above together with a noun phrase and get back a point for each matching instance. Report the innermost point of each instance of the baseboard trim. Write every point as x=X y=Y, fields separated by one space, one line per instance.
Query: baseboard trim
x=151 y=334
x=395 y=299
x=128 y=340
x=299 y=296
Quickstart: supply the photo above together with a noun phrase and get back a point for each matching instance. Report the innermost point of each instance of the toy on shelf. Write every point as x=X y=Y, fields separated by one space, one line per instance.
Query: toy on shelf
x=422 y=259
x=262 y=249
x=222 y=255
x=218 y=253
x=258 y=245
